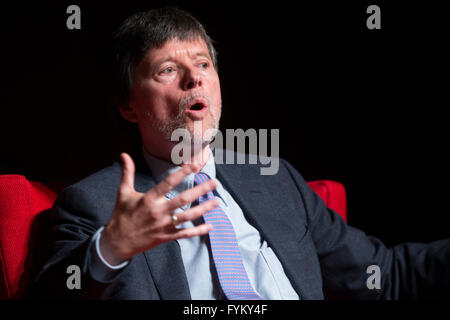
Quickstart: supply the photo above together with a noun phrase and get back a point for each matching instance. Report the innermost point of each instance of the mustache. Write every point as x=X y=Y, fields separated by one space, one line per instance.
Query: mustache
x=190 y=98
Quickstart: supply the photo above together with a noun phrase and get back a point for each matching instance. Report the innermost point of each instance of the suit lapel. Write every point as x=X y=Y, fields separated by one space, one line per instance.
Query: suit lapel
x=164 y=261
x=279 y=225
x=167 y=269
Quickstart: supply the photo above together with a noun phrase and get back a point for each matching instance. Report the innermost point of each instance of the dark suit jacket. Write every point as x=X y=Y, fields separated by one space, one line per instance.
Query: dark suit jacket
x=319 y=252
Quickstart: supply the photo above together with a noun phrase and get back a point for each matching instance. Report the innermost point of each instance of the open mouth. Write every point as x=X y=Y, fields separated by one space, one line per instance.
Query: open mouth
x=198 y=106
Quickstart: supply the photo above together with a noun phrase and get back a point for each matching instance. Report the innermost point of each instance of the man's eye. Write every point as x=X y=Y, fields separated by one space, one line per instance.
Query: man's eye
x=204 y=65
x=168 y=70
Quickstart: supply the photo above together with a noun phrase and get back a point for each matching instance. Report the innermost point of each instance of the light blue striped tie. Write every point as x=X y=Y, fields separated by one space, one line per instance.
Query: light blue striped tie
x=232 y=275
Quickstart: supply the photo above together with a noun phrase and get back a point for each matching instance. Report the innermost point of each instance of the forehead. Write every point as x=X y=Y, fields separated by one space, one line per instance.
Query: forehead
x=176 y=49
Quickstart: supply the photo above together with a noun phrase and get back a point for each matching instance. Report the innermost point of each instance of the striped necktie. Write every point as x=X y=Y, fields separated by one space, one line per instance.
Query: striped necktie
x=230 y=269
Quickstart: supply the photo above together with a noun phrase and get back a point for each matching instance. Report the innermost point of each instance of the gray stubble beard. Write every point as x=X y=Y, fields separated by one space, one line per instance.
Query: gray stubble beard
x=179 y=122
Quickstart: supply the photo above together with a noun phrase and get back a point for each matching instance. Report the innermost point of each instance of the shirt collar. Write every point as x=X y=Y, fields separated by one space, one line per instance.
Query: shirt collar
x=160 y=169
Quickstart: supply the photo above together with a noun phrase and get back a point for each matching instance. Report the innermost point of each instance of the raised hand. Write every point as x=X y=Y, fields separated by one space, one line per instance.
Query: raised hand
x=142 y=221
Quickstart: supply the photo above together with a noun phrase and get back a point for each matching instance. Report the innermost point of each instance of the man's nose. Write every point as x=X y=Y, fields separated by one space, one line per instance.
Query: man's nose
x=192 y=81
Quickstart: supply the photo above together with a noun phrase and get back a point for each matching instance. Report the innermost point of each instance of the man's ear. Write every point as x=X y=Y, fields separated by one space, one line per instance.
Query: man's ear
x=128 y=113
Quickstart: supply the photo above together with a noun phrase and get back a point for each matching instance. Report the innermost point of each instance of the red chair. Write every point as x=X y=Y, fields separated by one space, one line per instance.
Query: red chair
x=24 y=203
x=21 y=201
x=333 y=194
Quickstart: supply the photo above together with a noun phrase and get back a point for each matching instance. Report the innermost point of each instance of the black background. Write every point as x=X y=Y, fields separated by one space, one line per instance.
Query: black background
x=363 y=107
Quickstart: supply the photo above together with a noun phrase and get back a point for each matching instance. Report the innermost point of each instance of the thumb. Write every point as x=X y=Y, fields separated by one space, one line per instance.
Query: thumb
x=127 y=181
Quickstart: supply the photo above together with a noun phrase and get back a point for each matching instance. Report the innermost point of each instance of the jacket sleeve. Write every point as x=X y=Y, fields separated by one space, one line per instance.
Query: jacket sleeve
x=349 y=258
x=73 y=225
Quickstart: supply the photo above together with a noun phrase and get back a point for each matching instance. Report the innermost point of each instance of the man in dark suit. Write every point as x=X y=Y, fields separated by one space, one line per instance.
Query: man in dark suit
x=152 y=230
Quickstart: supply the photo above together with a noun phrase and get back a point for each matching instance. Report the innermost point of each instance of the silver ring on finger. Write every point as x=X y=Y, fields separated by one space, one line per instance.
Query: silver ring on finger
x=174 y=218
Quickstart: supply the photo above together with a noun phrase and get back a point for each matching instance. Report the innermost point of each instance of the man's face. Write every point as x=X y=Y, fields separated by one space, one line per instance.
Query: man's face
x=174 y=86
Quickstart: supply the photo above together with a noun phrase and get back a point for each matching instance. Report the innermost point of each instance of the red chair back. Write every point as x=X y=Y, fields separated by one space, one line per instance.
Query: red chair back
x=20 y=202
x=333 y=194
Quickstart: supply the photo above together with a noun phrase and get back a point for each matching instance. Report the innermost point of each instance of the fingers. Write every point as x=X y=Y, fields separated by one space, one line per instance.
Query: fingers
x=191 y=232
x=191 y=195
x=127 y=181
x=173 y=179
x=197 y=211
